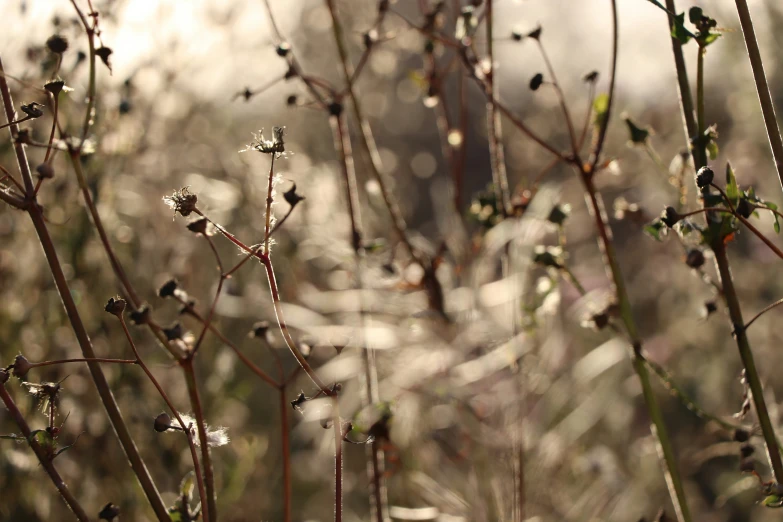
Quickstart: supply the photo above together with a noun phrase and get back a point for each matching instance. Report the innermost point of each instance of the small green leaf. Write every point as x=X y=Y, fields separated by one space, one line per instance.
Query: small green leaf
x=679 y=31
x=711 y=37
x=600 y=108
x=773 y=501
x=656 y=229
x=712 y=150
x=187 y=485
x=638 y=135
x=732 y=189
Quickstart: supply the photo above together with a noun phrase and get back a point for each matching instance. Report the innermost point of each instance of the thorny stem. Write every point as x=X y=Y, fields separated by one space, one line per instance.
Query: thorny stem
x=206 y=458
x=269 y=200
x=765 y=100
x=112 y=409
x=43 y=457
x=658 y=428
x=186 y=429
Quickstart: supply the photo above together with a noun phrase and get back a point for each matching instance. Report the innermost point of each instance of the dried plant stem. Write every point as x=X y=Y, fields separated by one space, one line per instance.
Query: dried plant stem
x=342 y=143
x=494 y=128
x=269 y=200
x=765 y=99
x=112 y=409
x=43 y=457
x=658 y=427
x=338 y=463
x=206 y=458
x=286 y=450
x=82 y=360
x=165 y=397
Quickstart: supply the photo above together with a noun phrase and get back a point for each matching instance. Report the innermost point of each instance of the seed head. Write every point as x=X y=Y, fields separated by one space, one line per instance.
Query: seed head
x=104 y=53
x=109 y=512
x=162 y=422
x=115 y=306
x=168 y=288
x=33 y=109
x=292 y=197
x=704 y=177
x=21 y=366
x=57 y=44
x=141 y=315
x=45 y=170
x=182 y=201
x=536 y=81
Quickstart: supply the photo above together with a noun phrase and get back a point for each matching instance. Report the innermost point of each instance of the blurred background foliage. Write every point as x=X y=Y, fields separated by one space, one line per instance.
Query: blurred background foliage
x=173 y=114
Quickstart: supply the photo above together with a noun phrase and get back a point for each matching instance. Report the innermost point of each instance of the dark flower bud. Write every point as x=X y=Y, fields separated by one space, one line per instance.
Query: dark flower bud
x=292 y=100
x=21 y=366
x=535 y=34
x=168 y=288
x=670 y=217
x=162 y=422
x=590 y=77
x=54 y=86
x=536 y=81
x=744 y=208
x=200 y=226
x=335 y=108
x=746 y=450
x=283 y=49
x=174 y=332
x=516 y=36
x=559 y=214
x=104 y=53
x=429 y=47
x=109 y=512
x=45 y=170
x=600 y=320
x=260 y=329
x=710 y=307
x=140 y=316
x=704 y=177
x=297 y=403
x=747 y=466
x=125 y=106
x=57 y=44
x=115 y=306
x=291 y=197
x=695 y=258
x=32 y=109
x=188 y=307
x=741 y=435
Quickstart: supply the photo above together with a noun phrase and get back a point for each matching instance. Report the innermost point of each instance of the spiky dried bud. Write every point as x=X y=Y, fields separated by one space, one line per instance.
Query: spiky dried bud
x=694 y=258
x=141 y=315
x=704 y=177
x=297 y=403
x=104 y=53
x=162 y=422
x=168 y=288
x=55 y=86
x=57 y=44
x=109 y=512
x=291 y=197
x=292 y=100
x=21 y=366
x=536 y=81
x=45 y=170
x=115 y=306
x=182 y=201
x=32 y=109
